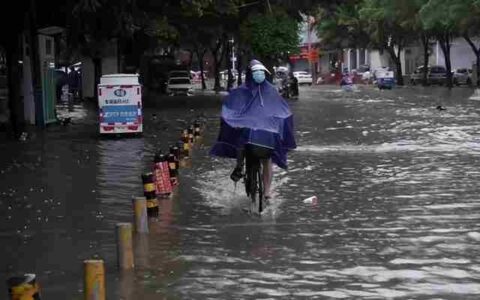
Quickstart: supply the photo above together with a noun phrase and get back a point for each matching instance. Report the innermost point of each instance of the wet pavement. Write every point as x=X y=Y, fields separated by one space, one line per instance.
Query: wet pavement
x=397 y=215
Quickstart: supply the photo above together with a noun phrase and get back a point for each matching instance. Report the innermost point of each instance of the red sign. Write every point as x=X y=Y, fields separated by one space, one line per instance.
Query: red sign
x=304 y=54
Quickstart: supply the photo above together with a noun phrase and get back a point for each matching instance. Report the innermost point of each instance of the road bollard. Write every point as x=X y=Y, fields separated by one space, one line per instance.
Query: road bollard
x=172 y=165
x=162 y=175
x=23 y=287
x=198 y=131
x=191 y=135
x=125 y=258
x=181 y=153
x=140 y=210
x=94 y=280
x=176 y=152
x=149 y=191
x=142 y=248
x=196 y=125
x=186 y=144
x=126 y=286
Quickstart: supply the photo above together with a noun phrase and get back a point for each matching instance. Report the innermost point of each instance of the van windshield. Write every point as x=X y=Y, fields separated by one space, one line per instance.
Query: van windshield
x=179 y=81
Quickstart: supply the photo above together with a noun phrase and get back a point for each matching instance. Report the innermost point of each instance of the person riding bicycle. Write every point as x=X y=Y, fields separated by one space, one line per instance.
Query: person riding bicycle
x=255 y=114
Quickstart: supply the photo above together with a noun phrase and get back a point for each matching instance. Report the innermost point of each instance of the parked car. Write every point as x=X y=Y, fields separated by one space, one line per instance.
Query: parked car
x=462 y=76
x=435 y=75
x=179 y=74
x=303 y=77
x=179 y=86
x=417 y=75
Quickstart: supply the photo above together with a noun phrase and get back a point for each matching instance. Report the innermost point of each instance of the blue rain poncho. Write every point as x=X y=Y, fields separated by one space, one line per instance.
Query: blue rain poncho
x=255 y=114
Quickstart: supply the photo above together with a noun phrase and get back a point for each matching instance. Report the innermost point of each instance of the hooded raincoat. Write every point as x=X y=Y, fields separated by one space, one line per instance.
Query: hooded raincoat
x=255 y=114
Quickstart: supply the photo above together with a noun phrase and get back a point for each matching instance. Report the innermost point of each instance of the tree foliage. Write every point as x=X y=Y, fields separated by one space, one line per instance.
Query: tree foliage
x=271 y=36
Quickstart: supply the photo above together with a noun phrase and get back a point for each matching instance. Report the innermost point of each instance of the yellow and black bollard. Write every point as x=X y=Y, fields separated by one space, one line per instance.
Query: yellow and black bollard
x=198 y=132
x=180 y=147
x=186 y=144
x=176 y=152
x=191 y=135
x=94 y=280
x=23 y=287
x=172 y=166
x=150 y=193
x=162 y=175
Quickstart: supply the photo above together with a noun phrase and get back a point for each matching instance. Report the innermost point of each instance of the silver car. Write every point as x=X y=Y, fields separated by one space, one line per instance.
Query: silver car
x=462 y=76
x=435 y=75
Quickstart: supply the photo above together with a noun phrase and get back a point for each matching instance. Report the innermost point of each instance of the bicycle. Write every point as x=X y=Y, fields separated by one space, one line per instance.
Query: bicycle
x=253 y=179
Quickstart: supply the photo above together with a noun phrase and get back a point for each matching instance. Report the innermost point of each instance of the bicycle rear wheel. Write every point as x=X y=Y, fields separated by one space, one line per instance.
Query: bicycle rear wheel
x=255 y=186
x=260 y=189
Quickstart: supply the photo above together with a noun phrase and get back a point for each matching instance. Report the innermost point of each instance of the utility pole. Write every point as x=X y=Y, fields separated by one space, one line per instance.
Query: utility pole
x=310 y=22
x=233 y=58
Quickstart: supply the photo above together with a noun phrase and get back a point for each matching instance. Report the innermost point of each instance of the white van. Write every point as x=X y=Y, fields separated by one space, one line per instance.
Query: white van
x=120 y=104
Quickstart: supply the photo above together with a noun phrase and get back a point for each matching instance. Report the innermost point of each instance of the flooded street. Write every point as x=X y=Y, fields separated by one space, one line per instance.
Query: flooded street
x=397 y=215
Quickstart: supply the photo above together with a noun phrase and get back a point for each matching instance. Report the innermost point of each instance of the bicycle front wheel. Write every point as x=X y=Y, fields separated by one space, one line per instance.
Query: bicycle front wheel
x=256 y=191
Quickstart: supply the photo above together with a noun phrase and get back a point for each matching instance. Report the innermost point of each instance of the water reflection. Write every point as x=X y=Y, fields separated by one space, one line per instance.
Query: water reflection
x=396 y=216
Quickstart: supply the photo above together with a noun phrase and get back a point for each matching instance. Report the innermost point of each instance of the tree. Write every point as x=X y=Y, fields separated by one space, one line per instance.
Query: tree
x=12 y=21
x=271 y=36
x=93 y=25
x=340 y=25
x=468 y=16
x=441 y=17
x=391 y=27
x=408 y=16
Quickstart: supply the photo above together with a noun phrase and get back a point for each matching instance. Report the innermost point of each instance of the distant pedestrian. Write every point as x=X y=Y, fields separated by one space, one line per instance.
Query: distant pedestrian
x=73 y=81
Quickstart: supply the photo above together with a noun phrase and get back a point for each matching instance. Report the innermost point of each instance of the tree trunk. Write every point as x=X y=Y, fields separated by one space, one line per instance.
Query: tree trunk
x=217 y=59
x=425 y=42
x=398 y=63
x=478 y=70
x=444 y=40
x=228 y=53
x=190 y=59
x=14 y=94
x=216 y=70
x=475 y=50
x=200 y=56
x=97 y=66
x=35 y=63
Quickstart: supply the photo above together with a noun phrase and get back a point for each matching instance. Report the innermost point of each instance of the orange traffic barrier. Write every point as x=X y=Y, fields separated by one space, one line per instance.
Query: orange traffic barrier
x=162 y=175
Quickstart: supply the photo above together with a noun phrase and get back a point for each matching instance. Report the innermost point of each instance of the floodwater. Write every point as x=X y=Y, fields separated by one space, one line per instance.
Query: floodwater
x=397 y=215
